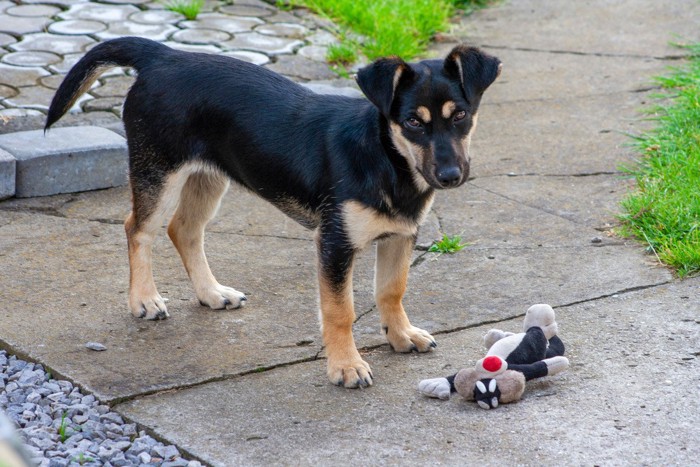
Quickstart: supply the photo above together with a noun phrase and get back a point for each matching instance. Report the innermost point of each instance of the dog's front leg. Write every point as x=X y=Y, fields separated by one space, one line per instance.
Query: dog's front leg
x=335 y=258
x=390 y=277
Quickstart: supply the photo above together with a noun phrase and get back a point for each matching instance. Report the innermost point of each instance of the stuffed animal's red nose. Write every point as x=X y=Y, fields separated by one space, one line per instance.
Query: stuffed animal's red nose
x=492 y=363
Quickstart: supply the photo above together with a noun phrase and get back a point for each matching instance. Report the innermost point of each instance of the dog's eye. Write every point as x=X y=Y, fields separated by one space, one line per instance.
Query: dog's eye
x=460 y=115
x=412 y=123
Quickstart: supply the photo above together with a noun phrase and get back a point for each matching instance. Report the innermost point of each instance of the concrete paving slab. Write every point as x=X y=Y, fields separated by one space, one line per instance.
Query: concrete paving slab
x=556 y=137
x=643 y=28
x=66 y=159
x=629 y=397
x=477 y=285
x=76 y=302
x=587 y=201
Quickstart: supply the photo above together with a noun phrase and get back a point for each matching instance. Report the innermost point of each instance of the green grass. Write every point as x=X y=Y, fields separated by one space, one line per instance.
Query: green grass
x=381 y=28
x=63 y=429
x=447 y=244
x=188 y=8
x=664 y=210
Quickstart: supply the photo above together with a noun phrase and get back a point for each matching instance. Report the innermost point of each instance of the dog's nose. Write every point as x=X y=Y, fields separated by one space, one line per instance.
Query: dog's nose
x=449 y=177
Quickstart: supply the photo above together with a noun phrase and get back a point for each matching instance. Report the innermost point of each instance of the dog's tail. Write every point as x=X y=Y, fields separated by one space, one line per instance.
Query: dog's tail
x=133 y=52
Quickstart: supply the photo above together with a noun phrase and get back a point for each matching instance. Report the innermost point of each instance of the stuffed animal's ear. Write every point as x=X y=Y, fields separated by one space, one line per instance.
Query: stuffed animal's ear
x=380 y=79
x=476 y=70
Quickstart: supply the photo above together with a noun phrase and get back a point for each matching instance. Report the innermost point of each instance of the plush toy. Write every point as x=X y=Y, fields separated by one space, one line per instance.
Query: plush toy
x=512 y=359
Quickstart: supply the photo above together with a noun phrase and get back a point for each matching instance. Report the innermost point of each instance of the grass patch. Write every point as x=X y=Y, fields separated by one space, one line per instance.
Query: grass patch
x=188 y=8
x=447 y=244
x=387 y=27
x=664 y=210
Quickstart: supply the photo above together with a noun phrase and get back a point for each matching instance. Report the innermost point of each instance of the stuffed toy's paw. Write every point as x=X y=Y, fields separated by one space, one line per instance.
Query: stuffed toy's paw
x=556 y=365
x=436 y=387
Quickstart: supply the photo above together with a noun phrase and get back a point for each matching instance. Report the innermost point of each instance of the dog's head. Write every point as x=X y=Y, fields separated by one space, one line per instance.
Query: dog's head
x=431 y=108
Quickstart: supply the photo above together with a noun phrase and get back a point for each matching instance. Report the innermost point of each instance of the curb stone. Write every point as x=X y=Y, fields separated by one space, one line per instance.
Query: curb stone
x=65 y=160
x=8 y=168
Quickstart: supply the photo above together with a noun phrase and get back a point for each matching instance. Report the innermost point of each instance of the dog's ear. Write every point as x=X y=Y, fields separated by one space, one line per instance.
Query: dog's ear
x=475 y=69
x=380 y=79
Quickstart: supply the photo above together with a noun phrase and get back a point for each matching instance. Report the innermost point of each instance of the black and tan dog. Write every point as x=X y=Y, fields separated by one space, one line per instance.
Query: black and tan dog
x=354 y=170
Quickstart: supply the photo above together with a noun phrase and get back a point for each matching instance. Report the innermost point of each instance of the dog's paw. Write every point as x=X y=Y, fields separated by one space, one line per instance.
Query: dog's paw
x=151 y=308
x=409 y=339
x=354 y=373
x=220 y=297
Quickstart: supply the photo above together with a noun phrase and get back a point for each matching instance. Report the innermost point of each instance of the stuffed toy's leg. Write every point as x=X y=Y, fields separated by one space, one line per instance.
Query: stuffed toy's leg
x=546 y=367
x=556 y=347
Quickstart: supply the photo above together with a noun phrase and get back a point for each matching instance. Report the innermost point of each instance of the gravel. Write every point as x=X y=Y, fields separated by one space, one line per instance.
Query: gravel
x=59 y=426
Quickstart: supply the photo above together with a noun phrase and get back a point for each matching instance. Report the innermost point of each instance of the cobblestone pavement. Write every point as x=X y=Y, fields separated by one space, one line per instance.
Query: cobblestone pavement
x=40 y=40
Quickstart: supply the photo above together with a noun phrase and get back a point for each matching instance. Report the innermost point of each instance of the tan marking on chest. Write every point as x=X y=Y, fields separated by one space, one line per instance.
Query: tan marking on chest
x=448 y=109
x=364 y=224
x=424 y=114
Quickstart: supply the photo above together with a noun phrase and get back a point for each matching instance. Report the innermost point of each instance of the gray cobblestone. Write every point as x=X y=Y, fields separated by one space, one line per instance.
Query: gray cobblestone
x=6 y=39
x=296 y=31
x=77 y=27
x=201 y=36
x=248 y=56
x=156 y=32
x=53 y=43
x=230 y=24
x=32 y=11
x=7 y=91
x=99 y=12
x=269 y=45
x=31 y=58
x=22 y=25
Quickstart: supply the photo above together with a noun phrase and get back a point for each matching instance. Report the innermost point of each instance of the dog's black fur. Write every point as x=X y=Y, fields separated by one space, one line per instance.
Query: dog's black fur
x=356 y=170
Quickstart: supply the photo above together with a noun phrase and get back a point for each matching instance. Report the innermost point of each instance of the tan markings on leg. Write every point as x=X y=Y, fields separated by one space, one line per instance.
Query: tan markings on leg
x=345 y=366
x=448 y=109
x=424 y=114
x=144 y=299
x=200 y=199
x=390 y=279
x=413 y=153
x=363 y=224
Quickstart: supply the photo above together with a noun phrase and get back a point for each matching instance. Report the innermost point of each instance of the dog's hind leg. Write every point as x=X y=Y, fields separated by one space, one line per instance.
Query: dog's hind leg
x=154 y=197
x=391 y=275
x=200 y=199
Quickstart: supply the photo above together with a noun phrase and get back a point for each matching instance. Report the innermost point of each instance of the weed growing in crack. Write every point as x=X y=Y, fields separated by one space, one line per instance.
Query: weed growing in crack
x=447 y=244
